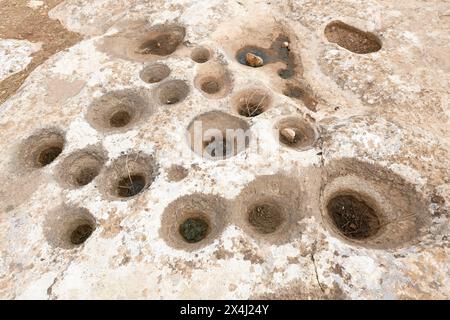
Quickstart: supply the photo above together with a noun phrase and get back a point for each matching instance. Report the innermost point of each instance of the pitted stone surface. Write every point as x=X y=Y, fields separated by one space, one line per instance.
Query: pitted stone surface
x=381 y=128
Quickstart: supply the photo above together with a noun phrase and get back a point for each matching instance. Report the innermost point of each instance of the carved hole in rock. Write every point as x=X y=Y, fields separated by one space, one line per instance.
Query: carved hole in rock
x=118 y=110
x=154 y=73
x=119 y=119
x=81 y=167
x=371 y=206
x=200 y=55
x=213 y=80
x=252 y=102
x=265 y=217
x=351 y=38
x=129 y=175
x=270 y=207
x=42 y=148
x=172 y=92
x=68 y=227
x=294 y=132
x=162 y=40
x=131 y=185
x=217 y=135
x=353 y=217
x=194 y=229
x=194 y=221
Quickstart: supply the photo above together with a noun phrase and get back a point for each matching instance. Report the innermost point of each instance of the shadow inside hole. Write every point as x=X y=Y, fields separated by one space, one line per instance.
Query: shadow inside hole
x=353 y=217
x=265 y=218
x=119 y=119
x=48 y=155
x=81 y=234
x=130 y=185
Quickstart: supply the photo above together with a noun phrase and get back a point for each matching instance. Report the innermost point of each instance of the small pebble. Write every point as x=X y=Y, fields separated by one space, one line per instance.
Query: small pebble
x=288 y=134
x=253 y=60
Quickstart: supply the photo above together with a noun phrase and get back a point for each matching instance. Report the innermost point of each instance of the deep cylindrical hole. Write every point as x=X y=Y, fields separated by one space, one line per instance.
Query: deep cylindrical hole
x=81 y=233
x=200 y=55
x=265 y=218
x=120 y=119
x=194 y=229
x=131 y=185
x=353 y=217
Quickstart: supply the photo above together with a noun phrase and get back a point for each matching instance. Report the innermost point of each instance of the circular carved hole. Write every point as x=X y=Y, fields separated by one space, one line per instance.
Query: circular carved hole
x=194 y=221
x=48 y=155
x=216 y=135
x=81 y=167
x=41 y=149
x=353 y=217
x=213 y=80
x=270 y=207
x=177 y=173
x=371 y=206
x=251 y=102
x=194 y=229
x=200 y=55
x=295 y=132
x=265 y=218
x=118 y=110
x=68 y=227
x=172 y=92
x=129 y=175
x=154 y=73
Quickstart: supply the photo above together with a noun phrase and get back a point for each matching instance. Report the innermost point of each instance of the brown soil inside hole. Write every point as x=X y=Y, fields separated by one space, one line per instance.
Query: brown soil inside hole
x=210 y=86
x=48 y=155
x=81 y=234
x=85 y=176
x=18 y=21
x=265 y=218
x=194 y=229
x=162 y=45
x=218 y=149
x=119 y=119
x=353 y=217
x=351 y=38
x=131 y=185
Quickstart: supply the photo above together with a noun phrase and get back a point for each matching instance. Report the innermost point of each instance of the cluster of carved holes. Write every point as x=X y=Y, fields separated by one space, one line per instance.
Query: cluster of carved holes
x=352 y=216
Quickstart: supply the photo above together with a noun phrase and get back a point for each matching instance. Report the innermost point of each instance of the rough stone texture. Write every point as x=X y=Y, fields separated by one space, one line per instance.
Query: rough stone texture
x=383 y=120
